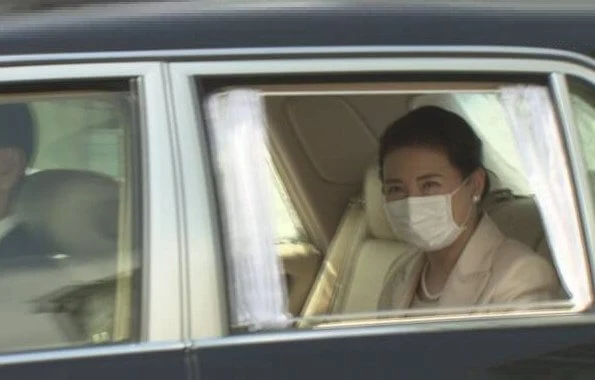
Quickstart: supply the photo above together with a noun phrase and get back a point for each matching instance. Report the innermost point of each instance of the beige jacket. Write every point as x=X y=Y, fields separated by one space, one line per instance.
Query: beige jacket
x=492 y=269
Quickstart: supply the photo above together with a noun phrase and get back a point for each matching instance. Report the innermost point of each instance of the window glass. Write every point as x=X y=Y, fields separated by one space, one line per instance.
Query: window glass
x=430 y=199
x=582 y=98
x=67 y=244
x=92 y=124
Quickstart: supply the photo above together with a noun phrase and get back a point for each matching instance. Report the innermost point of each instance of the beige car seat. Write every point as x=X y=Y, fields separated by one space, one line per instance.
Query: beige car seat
x=353 y=272
x=519 y=218
x=359 y=256
x=301 y=262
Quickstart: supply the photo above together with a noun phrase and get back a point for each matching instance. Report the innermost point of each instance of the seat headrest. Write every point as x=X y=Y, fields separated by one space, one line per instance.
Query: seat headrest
x=75 y=211
x=374 y=203
x=519 y=219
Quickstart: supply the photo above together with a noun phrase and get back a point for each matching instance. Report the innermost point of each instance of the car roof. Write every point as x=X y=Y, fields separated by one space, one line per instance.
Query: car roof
x=142 y=26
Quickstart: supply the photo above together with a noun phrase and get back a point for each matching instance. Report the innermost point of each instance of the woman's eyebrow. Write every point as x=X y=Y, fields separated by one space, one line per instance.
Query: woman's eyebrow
x=428 y=176
x=392 y=180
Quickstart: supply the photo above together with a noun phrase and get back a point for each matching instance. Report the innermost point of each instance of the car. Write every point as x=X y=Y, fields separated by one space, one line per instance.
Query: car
x=202 y=200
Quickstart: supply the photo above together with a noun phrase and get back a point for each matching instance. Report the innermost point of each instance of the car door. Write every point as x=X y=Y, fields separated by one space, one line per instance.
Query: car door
x=554 y=339
x=97 y=295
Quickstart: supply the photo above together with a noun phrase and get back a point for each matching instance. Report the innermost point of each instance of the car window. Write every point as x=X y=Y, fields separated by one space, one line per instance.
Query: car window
x=582 y=99
x=68 y=248
x=375 y=263
x=93 y=125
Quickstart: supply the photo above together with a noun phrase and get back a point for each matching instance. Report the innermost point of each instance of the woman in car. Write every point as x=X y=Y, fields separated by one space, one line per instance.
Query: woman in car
x=433 y=184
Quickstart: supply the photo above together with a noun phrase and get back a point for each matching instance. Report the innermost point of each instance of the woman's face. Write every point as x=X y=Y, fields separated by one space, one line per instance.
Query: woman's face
x=422 y=171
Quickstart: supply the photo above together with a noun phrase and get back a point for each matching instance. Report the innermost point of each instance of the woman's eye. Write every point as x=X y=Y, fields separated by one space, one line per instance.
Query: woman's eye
x=430 y=186
x=393 y=190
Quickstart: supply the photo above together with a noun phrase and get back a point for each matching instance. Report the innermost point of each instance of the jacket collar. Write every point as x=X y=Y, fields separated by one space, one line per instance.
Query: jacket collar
x=476 y=256
x=402 y=283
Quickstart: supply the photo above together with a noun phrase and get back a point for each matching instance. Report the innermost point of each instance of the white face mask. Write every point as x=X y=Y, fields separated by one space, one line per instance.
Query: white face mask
x=426 y=222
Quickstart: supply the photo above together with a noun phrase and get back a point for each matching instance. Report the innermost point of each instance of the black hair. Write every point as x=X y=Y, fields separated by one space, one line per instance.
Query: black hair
x=434 y=127
x=17 y=128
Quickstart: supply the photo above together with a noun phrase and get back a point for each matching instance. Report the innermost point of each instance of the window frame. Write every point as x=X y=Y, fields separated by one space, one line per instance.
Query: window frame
x=161 y=307
x=569 y=130
x=437 y=61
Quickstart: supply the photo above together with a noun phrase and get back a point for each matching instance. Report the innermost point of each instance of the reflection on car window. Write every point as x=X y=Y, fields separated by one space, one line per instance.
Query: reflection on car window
x=67 y=253
x=93 y=125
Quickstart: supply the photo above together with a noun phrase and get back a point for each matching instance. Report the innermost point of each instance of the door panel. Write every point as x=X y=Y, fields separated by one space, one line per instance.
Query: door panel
x=89 y=257
x=487 y=353
x=169 y=365
x=497 y=349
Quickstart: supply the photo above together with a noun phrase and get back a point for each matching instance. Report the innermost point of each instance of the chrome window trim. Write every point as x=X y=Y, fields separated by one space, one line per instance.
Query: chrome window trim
x=160 y=295
x=583 y=194
x=276 y=53
x=438 y=64
x=396 y=329
x=205 y=274
x=179 y=186
x=88 y=352
x=163 y=298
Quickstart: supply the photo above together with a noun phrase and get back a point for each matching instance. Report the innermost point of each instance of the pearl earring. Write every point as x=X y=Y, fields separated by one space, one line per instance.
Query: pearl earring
x=476 y=199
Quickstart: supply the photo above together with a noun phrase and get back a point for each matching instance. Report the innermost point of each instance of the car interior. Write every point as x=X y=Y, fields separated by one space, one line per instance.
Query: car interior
x=71 y=202
x=323 y=141
x=334 y=241
x=75 y=213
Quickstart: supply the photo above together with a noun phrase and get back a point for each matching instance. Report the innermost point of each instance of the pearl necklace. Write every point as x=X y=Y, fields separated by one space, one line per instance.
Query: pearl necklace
x=424 y=288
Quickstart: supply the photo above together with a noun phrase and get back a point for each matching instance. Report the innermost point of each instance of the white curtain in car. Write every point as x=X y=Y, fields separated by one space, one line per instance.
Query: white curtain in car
x=258 y=298
x=540 y=144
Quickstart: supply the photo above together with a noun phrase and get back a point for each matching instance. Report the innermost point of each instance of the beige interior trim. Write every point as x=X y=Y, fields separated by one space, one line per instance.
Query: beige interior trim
x=297 y=194
x=319 y=204
x=304 y=116
x=300 y=264
x=326 y=180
